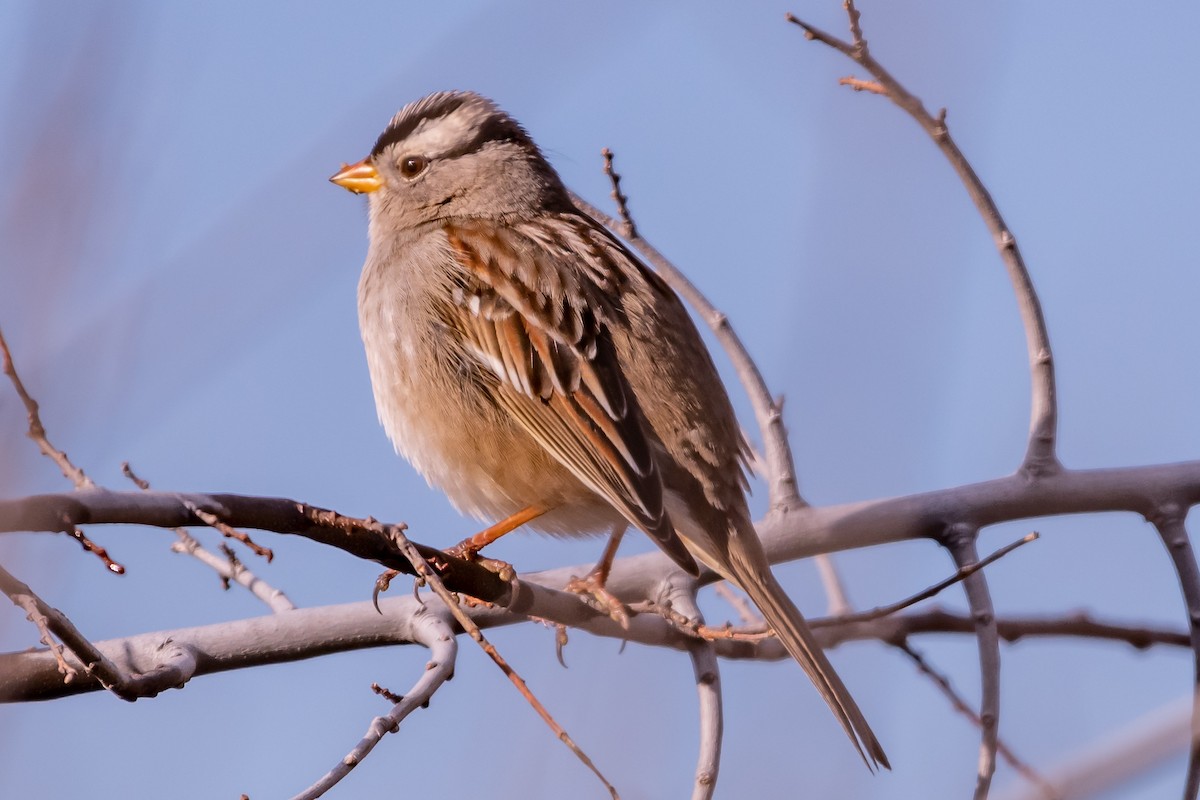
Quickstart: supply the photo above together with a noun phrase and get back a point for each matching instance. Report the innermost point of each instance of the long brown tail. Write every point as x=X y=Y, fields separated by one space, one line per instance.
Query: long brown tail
x=750 y=570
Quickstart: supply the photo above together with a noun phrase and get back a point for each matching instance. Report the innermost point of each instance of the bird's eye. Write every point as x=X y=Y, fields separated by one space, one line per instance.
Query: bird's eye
x=412 y=166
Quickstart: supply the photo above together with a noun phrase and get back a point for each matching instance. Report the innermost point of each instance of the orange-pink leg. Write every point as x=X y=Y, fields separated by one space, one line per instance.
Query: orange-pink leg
x=592 y=585
x=469 y=548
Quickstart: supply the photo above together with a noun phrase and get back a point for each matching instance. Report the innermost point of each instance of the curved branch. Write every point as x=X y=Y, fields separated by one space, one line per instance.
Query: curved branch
x=1169 y=521
x=960 y=541
x=433 y=631
x=681 y=596
x=1040 y=455
x=169 y=665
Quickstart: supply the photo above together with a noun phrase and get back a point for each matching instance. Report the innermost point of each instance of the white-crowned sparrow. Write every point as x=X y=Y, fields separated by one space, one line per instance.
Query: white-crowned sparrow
x=527 y=363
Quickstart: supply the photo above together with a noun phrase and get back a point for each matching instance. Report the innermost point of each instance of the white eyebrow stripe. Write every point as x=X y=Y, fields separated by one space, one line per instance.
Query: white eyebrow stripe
x=432 y=137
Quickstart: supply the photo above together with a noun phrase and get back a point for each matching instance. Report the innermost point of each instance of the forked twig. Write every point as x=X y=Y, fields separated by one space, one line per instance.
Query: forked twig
x=434 y=632
x=963 y=572
x=228 y=569
x=175 y=662
x=1040 y=455
x=753 y=628
x=427 y=573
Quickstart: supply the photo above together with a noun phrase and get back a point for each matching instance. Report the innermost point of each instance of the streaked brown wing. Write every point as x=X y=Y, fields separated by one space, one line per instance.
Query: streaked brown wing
x=541 y=331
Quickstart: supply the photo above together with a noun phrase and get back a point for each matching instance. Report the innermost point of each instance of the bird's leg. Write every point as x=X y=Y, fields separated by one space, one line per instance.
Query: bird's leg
x=469 y=548
x=592 y=585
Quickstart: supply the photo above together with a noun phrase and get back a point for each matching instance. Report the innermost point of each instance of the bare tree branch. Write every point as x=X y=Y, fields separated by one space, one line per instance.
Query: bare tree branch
x=431 y=629
x=170 y=666
x=680 y=595
x=1102 y=766
x=961 y=706
x=229 y=569
x=428 y=574
x=37 y=432
x=1171 y=526
x=960 y=540
x=1040 y=454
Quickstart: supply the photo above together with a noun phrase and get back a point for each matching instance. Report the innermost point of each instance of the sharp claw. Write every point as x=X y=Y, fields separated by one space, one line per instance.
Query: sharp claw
x=381 y=585
x=560 y=641
x=593 y=592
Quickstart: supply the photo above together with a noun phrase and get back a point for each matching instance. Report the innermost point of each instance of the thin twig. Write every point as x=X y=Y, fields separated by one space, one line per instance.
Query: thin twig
x=628 y=229
x=37 y=431
x=425 y=571
x=99 y=552
x=229 y=569
x=754 y=628
x=434 y=632
x=961 y=574
x=835 y=588
x=213 y=521
x=942 y=682
x=1040 y=455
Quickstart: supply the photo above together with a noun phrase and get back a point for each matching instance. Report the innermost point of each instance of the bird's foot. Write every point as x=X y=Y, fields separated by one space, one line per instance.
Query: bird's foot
x=467 y=551
x=591 y=588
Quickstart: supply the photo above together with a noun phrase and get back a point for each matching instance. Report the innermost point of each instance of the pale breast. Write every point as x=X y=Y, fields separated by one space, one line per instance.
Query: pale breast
x=432 y=403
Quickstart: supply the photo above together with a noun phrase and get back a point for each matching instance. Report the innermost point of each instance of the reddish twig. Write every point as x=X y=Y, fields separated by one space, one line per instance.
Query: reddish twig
x=628 y=229
x=960 y=705
x=425 y=571
x=859 y=85
x=37 y=431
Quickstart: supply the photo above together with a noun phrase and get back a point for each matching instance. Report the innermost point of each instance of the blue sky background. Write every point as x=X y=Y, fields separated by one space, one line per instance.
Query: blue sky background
x=177 y=281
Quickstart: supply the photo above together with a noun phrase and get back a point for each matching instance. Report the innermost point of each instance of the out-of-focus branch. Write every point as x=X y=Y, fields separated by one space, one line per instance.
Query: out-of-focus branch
x=1104 y=765
x=1171 y=526
x=428 y=628
x=1040 y=455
